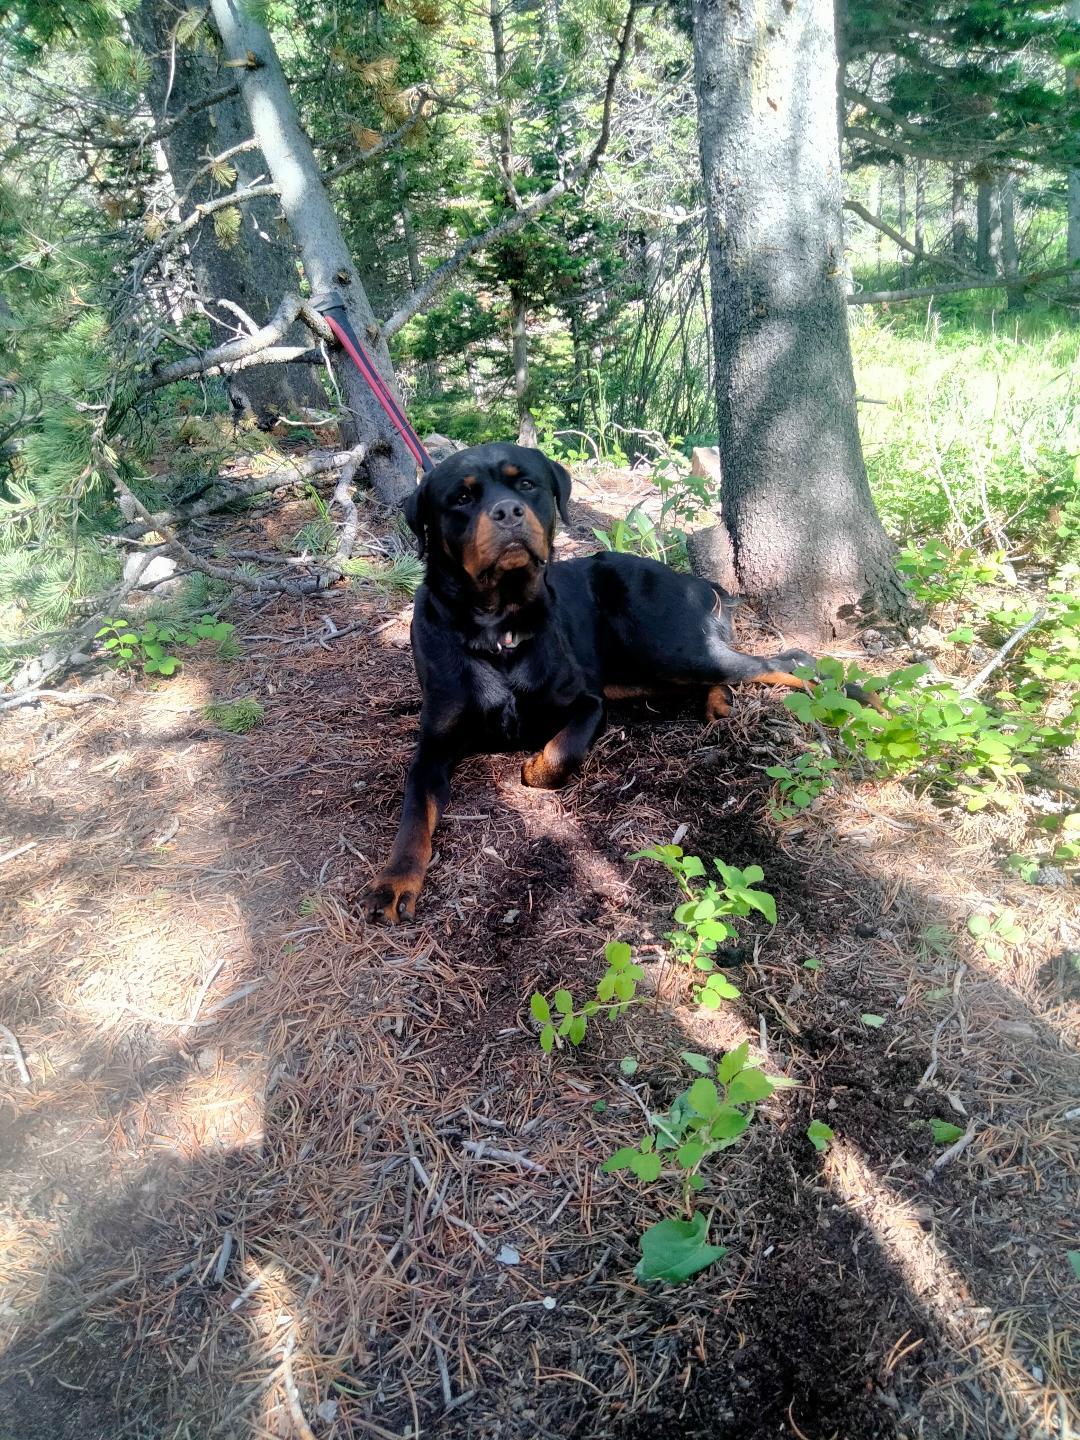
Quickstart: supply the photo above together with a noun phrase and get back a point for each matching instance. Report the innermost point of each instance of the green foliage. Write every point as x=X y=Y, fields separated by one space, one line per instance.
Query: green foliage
x=802 y=782
x=944 y=1131
x=404 y=574
x=819 y=1134
x=994 y=935
x=149 y=646
x=710 y=1116
x=673 y=1250
x=235 y=716
x=615 y=993
x=705 y=916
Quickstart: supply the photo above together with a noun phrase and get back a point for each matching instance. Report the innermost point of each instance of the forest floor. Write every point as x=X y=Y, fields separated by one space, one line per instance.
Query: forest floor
x=275 y=1172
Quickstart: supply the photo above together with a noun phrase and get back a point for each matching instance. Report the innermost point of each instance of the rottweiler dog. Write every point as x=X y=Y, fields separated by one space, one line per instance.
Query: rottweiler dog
x=515 y=651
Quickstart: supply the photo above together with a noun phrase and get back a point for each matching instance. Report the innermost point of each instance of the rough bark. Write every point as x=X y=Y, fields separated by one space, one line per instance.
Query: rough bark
x=1072 y=85
x=1010 y=250
x=806 y=542
x=327 y=262
x=920 y=207
x=260 y=266
x=901 y=202
x=519 y=337
x=959 y=223
x=982 y=226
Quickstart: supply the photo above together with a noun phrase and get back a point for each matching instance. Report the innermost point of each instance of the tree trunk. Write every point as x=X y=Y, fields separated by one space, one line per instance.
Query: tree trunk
x=805 y=540
x=901 y=209
x=1010 y=251
x=1072 y=84
x=520 y=346
x=982 y=226
x=327 y=262
x=259 y=266
x=959 y=223
x=920 y=207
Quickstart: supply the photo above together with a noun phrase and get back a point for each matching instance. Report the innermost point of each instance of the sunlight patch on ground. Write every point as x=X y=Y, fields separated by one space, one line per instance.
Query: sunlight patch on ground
x=1032 y=1396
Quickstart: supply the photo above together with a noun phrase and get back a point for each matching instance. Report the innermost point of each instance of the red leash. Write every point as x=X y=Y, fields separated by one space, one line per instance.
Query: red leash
x=332 y=309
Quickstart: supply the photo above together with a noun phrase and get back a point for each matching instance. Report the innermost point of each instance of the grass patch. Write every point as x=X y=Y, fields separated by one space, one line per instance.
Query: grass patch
x=235 y=716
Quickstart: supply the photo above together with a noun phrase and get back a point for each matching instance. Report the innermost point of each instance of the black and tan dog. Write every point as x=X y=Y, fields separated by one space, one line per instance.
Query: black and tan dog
x=516 y=652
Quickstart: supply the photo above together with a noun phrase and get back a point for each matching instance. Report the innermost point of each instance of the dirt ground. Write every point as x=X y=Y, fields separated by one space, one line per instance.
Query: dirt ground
x=272 y=1172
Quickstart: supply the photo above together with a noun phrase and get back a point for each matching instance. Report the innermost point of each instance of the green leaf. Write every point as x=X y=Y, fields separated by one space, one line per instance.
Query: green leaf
x=617 y=954
x=722 y=988
x=540 y=1008
x=576 y=1033
x=728 y=1124
x=599 y=1106
x=625 y=985
x=732 y=1063
x=564 y=1002
x=819 y=1134
x=547 y=1038
x=701 y=1063
x=945 y=1132
x=748 y=1087
x=979 y=925
x=606 y=988
x=813 y=963
x=689 y=1154
x=621 y=1160
x=704 y=1097
x=628 y=1065
x=875 y=1022
x=1074 y=1261
x=673 y=1250
x=646 y=1167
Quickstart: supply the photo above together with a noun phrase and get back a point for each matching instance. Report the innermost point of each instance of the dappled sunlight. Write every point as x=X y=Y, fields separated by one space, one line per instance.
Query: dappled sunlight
x=1026 y=1370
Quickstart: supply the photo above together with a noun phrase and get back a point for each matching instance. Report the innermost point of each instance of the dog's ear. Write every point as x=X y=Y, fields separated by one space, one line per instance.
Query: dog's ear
x=415 y=511
x=561 y=479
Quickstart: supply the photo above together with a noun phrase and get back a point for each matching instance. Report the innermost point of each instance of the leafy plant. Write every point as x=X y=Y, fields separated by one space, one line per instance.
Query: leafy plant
x=403 y=573
x=802 y=782
x=235 y=716
x=819 y=1134
x=634 y=534
x=706 y=914
x=712 y=1115
x=673 y=1250
x=994 y=935
x=615 y=993
x=149 y=646
x=944 y=1131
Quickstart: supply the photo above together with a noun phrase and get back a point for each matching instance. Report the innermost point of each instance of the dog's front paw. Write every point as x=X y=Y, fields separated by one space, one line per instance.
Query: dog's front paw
x=391 y=896
x=540 y=773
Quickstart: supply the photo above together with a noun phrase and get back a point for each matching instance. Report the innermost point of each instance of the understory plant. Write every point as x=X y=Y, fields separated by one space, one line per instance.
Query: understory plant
x=150 y=646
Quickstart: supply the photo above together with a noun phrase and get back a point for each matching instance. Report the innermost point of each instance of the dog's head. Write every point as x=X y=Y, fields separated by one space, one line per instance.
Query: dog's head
x=489 y=511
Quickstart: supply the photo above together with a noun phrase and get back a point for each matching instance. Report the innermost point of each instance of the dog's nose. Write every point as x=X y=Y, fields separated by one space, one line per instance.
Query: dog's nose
x=505 y=512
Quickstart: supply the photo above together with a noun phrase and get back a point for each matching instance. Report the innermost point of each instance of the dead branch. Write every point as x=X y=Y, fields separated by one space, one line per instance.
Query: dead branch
x=957 y=287
x=58 y=697
x=231 y=491
x=974 y=686
x=898 y=239
x=159 y=132
x=250 y=348
x=516 y=221
x=16 y=1053
x=422 y=111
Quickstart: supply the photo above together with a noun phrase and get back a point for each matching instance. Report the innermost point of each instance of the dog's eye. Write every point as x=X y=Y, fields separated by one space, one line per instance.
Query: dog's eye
x=524 y=484
x=463 y=497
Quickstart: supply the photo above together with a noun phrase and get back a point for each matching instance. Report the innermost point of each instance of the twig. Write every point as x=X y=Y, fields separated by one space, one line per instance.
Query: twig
x=292 y=1394
x=438 y=1207
x=974 y=686
x=19 y=850
x=955 y=1149
x=482 y=1150
x=59 y=697
x=103 y=1294
x=931 y=1069
x=13 y=1043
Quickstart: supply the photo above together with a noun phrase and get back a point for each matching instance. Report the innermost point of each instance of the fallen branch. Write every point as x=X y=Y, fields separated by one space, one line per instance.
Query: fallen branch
x=957 y=287
x=229 y=492
x=974 y=686
x=70 y=699
x=114 y=1289
x=16 y=1050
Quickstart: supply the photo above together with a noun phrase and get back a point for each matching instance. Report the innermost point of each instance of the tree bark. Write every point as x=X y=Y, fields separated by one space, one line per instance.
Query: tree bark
x=982 y=226
x=806 y=542
x=260 y=266
x=520 y=347
x=901 y=204
x=1010 y=251
x=958 y=222
x=327 y=262
x=1072 y=85
x=920 y=207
